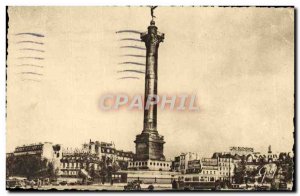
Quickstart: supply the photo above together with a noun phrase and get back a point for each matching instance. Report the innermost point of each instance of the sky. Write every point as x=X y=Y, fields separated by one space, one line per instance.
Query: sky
x=239 y=62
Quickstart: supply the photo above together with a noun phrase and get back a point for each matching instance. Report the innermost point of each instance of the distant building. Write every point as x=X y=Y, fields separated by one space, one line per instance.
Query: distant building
x=39 y=151
x=9 y=154
x=176 y=164
x=194 y=166
x=240 y=151
x=77 y=165
x=272 y=157
x=106 y=150
x=204 y=170
x=220 y=166
x=209 y=170
x=269 y=157
x=184 y=160
x=44 y=150
x=151 y=165
x=227 y=164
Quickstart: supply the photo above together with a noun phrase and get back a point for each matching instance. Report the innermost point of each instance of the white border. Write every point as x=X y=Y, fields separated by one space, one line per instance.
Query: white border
x=4 y=3
x=147 y=2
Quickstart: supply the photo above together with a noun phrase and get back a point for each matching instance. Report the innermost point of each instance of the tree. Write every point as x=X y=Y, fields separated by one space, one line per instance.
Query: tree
x=29 y=166
x=240 y=171
x=51 y=171
x=93 y=173
x=10 y=165
x=115 y=167
x=288 y=168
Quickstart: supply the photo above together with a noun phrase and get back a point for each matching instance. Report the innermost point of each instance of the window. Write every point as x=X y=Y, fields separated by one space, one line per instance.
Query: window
x=187 y=179
x=150 y=163
x=196 y=179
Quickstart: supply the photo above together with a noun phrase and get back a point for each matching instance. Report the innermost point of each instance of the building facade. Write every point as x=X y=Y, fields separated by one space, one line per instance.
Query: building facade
x=184 y=160
x=151 y=165
x=78 y=165
x=44 y=150
x=108 y=151
x=176 y=164
x=220 y=167
x=227 y=165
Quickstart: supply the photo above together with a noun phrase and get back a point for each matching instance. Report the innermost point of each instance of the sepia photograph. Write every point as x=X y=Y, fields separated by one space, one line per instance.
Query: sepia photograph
x=150 y=98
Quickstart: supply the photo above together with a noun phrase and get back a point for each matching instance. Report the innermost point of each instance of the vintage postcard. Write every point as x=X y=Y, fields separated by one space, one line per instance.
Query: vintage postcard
x=150 y=98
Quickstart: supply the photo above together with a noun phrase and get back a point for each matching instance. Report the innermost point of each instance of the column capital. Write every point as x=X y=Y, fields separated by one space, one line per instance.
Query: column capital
x=152 y=37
